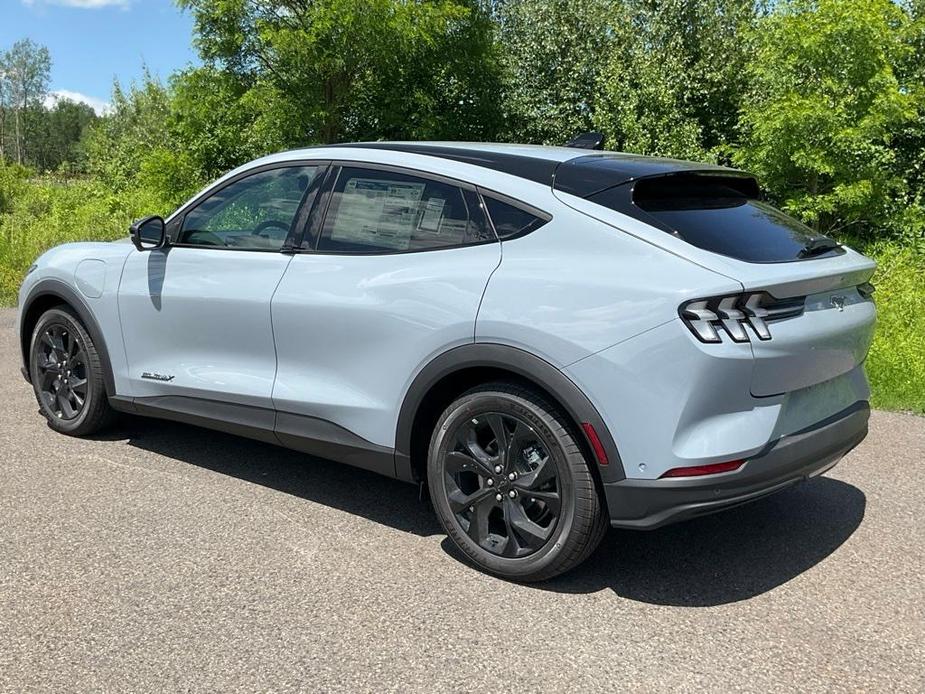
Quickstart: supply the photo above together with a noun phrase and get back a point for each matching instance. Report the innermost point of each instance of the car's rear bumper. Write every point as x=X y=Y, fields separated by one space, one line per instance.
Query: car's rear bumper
x=648 y=504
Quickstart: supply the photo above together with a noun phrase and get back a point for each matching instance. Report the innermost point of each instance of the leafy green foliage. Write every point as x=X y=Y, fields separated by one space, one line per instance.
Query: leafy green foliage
x=554 y=52
x=823 y=105
x=13 y=178
x=655 y=78
x=39 y=213
x=896 y=364
x=334 y=70
x=674 y=82
x=54 y=135
x=24 y=72
x=134 y=147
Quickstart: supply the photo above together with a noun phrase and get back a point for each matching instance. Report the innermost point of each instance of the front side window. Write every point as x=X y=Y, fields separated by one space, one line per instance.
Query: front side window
x=253 y=213
x=373 y=211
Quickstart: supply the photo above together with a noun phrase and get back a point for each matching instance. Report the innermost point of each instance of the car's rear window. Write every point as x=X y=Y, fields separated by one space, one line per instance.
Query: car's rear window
x=718 y=215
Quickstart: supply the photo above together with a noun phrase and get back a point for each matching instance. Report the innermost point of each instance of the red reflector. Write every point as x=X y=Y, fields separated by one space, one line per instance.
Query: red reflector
x=596 y=444
x=698 y=470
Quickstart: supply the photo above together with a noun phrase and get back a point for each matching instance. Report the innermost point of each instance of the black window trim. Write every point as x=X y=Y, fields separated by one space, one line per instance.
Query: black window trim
x=308 y=222
x=296 y=228
x=319 y=214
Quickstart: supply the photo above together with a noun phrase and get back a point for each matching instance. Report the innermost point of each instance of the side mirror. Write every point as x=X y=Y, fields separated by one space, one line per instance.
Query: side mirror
x=148 y=233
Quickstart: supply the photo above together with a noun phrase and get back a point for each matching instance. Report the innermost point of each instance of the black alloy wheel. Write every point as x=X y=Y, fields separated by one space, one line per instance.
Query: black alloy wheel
x=61 y=363
x=502 y=484
x=67 y=374
x=511 y=485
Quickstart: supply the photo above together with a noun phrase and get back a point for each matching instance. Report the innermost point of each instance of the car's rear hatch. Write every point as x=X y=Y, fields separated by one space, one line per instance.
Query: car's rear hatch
x=832 y=334
x=805 y=307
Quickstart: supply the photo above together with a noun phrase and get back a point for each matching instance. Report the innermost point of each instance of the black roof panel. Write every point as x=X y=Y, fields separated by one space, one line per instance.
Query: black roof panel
x=583 y=175
x=538 y=169
x=587 y=175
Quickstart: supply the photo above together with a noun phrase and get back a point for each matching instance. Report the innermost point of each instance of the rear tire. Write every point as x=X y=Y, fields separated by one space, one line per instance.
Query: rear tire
x=511 y=486
x=67 y=374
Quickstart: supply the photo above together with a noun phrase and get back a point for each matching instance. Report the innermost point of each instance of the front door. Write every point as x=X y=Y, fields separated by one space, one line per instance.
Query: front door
x=196 y=315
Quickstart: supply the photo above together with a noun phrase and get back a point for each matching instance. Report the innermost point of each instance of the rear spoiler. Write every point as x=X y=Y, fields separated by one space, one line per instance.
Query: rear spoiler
x=589 y=174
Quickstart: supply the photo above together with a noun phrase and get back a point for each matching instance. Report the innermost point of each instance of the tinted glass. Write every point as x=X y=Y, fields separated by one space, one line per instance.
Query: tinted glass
x=253 y=213
x=721 y=219
x=385 y=212
x=511 y=221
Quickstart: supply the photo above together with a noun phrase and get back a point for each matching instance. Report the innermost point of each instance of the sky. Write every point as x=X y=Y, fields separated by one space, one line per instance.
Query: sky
x=93 y=42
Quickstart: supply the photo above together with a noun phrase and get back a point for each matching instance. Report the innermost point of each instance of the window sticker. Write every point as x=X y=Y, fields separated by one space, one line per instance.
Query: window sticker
x=433 y=215
x=376 y=212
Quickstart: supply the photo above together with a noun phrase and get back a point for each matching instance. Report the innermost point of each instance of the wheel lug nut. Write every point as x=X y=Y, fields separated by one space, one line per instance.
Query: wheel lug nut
x=512 y=493
x=498 y=497
x=512 y=476
x=490 y=482
x=498 y=468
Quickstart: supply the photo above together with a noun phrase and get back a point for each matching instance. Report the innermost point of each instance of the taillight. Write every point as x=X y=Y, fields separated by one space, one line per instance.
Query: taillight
x=709 y=318
x=700 y=470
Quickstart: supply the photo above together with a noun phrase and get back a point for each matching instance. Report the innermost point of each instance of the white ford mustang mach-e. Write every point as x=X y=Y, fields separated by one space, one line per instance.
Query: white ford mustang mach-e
x=553 y=340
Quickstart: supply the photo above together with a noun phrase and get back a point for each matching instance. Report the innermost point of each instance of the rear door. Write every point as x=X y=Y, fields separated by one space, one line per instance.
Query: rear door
x=196 y=315
x=392 y=270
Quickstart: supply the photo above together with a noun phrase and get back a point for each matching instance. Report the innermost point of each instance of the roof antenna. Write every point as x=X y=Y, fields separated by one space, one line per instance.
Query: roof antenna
x=587 y=141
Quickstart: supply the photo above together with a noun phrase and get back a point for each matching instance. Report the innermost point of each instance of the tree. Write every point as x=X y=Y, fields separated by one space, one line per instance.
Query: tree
x=330 y=70
x=53 y=134
x=909 y=142
x=220 y=122
x=554 y=52
x=823 y=106
x=643 y=105
x=25 y=69
x=136 y=125
x=655 y=77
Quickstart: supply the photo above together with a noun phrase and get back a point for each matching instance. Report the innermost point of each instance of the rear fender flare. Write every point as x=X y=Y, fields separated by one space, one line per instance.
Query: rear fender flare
x=521 y=363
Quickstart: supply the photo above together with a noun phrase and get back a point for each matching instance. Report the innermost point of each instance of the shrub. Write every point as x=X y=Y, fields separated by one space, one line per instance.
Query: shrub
x=896 y=364
x=46 y=212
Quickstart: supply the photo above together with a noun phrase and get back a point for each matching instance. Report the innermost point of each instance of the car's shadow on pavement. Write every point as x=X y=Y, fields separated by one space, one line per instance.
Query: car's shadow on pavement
x=726 y=557
x=708 y=561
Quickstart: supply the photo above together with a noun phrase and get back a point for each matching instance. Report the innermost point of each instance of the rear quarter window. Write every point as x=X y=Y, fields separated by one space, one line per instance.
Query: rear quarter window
x=511 y=221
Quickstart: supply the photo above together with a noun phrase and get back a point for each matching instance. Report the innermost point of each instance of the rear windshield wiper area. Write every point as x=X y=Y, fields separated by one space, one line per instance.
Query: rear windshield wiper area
x=817 y=245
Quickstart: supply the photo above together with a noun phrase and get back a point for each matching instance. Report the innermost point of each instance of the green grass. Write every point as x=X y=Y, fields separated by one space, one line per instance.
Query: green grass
x=896 y=364
x=38 y=214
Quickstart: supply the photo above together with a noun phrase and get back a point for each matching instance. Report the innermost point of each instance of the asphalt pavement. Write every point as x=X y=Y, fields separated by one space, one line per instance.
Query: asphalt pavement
x=161 y=557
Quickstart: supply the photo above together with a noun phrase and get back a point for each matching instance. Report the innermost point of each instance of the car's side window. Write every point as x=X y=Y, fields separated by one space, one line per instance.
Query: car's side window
x=511 y=221
x=253 y=213
x=378 y=211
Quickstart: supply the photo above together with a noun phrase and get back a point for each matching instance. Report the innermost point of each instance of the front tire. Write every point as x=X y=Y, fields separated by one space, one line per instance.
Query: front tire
x=511 y=486
x=67 y=375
